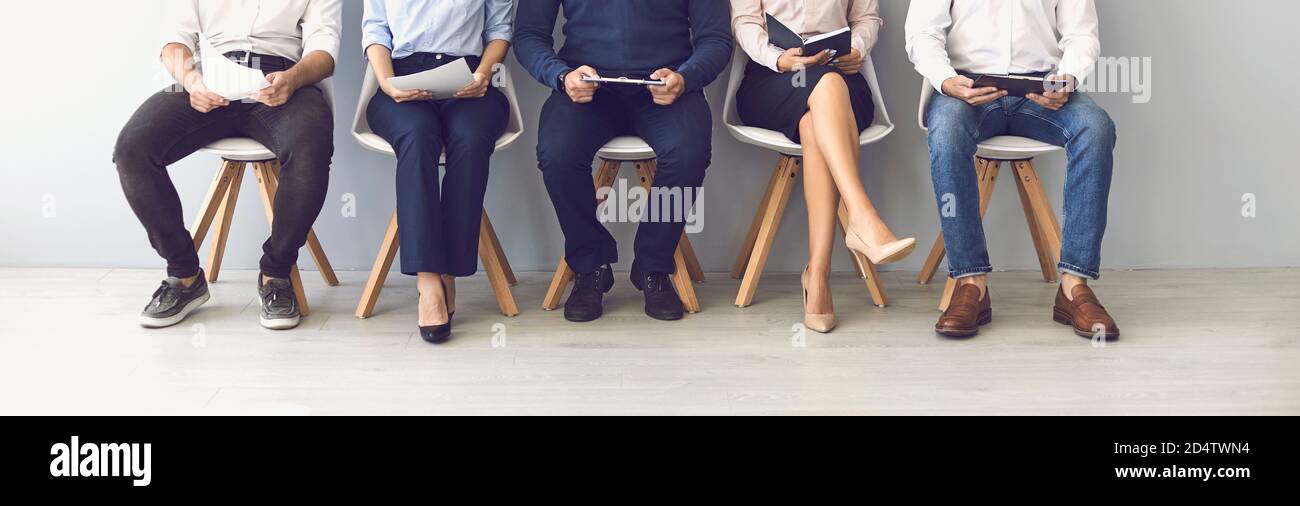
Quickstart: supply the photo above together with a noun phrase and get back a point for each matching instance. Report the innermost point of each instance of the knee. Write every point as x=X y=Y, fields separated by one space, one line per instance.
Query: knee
x=309 y=155
x=470 y=142
x=422 y=136
x=132 y=151
x=950 y=136
x=1097 y=129
x=691 y=153
x=562 y=153
x=830 y=84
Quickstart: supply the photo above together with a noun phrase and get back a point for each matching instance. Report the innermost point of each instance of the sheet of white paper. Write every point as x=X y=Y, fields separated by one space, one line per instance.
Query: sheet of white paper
x=443 y=81
x=227 y=78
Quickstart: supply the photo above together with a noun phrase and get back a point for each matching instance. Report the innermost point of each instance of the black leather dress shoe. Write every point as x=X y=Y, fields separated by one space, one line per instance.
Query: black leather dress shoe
x=586 y=302
x=661 y=300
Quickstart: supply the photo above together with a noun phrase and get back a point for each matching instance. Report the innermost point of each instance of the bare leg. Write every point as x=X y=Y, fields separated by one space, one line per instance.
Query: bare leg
x=1069 y=281
x=837 y=138
x=823 y=205
x=433 y=300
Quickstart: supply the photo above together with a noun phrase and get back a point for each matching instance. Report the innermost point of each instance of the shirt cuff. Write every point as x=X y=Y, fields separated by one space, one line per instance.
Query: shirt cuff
x=770 y=58
x=370 y=40
x=938 y=76
x=327 y=43
x=192 y=45
x=505 y=33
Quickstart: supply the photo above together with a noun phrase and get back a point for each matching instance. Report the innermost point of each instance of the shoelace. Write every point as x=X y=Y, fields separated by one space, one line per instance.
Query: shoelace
x=166 y=295
x=656 y=282
x=588 y=281
x=278 y=297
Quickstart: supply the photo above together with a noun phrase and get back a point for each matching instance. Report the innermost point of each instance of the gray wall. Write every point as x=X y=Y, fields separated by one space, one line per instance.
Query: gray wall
x=1213 y=131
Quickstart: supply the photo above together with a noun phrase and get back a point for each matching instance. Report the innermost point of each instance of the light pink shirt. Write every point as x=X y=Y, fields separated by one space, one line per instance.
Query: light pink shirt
x=808 y=18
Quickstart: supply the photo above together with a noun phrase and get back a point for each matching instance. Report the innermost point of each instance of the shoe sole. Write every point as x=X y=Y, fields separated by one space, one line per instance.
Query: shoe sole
x=583 y=320
x=162 y=323
x=1064 y=318
x=281 y=323
x=899 y=256
x=984 y=319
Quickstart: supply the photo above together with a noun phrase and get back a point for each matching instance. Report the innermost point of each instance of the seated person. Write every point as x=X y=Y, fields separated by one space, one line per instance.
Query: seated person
x=295 y=43
x=438 y=222
x=951 y=40
x=686 y=44
x=826 y=112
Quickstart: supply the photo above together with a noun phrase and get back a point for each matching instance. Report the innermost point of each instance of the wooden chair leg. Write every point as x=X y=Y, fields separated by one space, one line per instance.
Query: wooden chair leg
x=498 y=250
x=563 y=273
x=216 y=195
x=747 y=248
x=494 y=265
x=379 y=273
x=863 y=265
x=988 y=182
x=313 y=243
x=683 y=278
x=692 y=261
x=224 y=218
x=1049 y=227
x=267 y=184
x=1045 y=262
x=787 y=173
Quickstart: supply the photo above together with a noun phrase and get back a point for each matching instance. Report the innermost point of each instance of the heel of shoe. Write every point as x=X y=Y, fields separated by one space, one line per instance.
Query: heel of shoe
x=985 y=318
x=1062 y=317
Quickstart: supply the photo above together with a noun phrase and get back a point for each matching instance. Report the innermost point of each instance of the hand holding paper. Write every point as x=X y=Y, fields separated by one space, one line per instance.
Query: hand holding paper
x=442 y=82
x=228 y=79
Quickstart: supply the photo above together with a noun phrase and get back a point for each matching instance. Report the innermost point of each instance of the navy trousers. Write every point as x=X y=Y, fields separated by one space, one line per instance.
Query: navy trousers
x=438 y=225
x=571 y=134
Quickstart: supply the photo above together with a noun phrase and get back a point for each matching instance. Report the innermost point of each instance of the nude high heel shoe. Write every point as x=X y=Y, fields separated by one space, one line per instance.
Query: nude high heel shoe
x=822 y=323
x=879 y=255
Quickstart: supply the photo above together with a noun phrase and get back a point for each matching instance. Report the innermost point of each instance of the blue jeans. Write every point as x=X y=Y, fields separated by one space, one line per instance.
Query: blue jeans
x=1082 y=127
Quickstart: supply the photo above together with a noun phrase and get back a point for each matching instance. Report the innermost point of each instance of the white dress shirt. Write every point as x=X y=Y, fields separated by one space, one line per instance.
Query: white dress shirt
x=1002 y=37
x=284 y=28
x=808 y=18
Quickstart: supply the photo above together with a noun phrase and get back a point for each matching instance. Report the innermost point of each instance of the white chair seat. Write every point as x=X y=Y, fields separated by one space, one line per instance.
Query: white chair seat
x=240 y=149
x=626 y=149
x=777 y=141
x=1010 y=147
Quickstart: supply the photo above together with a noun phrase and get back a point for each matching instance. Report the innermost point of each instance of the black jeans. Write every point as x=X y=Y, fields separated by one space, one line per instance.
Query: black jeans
x=166 y=129
x=571 y=135
x=439 y=226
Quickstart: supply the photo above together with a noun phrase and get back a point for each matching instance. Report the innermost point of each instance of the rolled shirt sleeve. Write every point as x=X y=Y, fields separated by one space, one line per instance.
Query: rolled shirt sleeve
x=748 y=23
x=499 y=24
x=1080 y=37
x=322 y=27
x=182 y=25
x=374 y=26
x=865 y=22
x=928 y=22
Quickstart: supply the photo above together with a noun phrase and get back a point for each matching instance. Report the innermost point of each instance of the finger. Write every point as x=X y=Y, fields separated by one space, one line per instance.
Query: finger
x=1039 y=99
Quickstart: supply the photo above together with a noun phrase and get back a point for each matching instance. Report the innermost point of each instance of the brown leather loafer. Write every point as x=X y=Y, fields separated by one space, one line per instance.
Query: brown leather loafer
x=966 y=313
x=1085 y=313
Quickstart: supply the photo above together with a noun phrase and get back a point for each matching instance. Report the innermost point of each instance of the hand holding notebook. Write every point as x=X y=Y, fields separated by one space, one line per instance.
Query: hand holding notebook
x=839 y=42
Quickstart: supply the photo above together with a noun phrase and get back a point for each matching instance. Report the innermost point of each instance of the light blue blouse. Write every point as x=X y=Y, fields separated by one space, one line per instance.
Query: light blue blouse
x=452 y=27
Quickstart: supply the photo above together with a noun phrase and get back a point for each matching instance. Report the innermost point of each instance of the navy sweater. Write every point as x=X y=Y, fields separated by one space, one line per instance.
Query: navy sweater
x=619 y=37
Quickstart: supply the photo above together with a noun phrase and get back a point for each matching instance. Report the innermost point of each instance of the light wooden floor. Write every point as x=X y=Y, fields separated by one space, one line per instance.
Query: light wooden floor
x=1195 y=342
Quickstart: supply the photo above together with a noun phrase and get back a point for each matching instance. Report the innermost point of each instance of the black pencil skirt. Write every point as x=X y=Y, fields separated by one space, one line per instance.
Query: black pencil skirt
x=772 y=100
